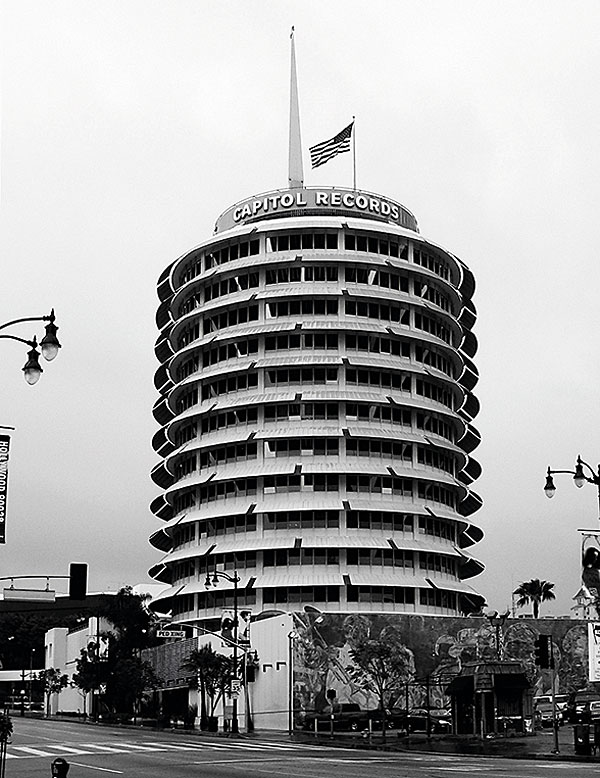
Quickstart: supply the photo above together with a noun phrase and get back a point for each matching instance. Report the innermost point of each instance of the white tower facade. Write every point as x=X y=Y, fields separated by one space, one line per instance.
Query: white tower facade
x=316 y=413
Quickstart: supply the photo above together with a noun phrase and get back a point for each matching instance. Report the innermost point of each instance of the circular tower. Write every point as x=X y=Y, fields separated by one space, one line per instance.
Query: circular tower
x=316 y=413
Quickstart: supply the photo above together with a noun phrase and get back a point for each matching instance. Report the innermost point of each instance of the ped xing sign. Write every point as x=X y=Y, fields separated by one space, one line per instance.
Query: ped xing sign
x=4 y=450
x=170 y=633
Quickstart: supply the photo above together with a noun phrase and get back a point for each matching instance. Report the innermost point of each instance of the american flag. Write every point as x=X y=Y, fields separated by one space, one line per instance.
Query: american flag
x=323 y=152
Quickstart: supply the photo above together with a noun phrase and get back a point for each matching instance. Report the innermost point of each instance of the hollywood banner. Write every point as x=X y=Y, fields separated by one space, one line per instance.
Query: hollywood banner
x=4 y=449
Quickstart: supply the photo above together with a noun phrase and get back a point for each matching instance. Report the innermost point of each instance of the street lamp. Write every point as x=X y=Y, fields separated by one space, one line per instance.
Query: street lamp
x=579 y=478
x=497 y=620
x=49 y=345
x=234 y=579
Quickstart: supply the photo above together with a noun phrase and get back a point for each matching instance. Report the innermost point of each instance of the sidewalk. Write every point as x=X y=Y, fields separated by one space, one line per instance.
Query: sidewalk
x=540 y=745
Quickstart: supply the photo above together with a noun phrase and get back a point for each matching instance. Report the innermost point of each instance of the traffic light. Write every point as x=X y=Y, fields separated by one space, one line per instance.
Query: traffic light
x=543 y=651
x=77 y=581
x=590 y=572
x=227 y=626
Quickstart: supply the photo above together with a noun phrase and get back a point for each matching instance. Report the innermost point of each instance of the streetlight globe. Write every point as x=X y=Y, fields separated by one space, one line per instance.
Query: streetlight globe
x=32 y=376
x=32 y=369
x=579 y=477
x=549 y=489
x=49 y=343
x=49 y=350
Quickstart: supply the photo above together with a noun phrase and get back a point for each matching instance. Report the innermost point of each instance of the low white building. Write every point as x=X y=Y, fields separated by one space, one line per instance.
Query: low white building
x=62 y=650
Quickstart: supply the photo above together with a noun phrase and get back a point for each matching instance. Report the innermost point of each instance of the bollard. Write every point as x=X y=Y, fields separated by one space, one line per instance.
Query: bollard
x=60 y=768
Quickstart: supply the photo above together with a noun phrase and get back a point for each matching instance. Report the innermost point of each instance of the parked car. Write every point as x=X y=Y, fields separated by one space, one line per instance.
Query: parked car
x=440 y=720
x=346 y=716
x=544 y=714
x=594 y=710
x=578 y=710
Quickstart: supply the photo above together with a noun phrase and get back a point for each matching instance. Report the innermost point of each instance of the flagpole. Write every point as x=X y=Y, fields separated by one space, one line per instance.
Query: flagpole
x=354 y=150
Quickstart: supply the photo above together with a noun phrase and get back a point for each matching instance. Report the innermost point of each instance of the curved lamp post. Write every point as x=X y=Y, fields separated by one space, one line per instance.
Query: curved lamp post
x=579 y=478
x=49 y=345
x=234 y=579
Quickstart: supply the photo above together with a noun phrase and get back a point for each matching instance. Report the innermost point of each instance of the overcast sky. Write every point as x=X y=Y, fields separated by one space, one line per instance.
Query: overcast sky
x=129 y=126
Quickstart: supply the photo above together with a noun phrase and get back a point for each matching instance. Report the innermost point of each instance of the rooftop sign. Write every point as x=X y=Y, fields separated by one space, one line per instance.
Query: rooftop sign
x=316 y=202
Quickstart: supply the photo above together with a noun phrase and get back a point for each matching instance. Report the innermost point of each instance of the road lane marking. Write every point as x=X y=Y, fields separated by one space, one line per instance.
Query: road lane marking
x=32 y=751
x=182 y=747
x=68 y=749
x=93 y=767
x=107 y=749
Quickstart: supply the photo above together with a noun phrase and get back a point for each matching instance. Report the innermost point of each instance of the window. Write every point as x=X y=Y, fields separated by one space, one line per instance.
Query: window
x=306 y=240
x=390 y=246
x=375 y=344
x=388 y=521
x=304 y=375
x=228 y=525
x=222 y=490
x=225 y=286
x=233 y=383
x=301 y=447
x=304 y=307
x=284 y=595
x=237 y=452
x=232 y=418
x=231 y=252
x=379 y=378
x=376 y=484
x=384 y=449
x=286 y=520
x=235 y=350
x=229 y=318
x=398 y=595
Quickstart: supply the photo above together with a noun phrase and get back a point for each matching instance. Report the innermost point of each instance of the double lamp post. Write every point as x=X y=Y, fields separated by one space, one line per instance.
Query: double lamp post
x=213 y=580
x=49 y=345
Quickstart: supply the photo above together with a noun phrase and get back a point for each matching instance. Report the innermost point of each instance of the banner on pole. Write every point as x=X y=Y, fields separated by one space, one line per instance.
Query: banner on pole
x=594 y=651
x=4 y=451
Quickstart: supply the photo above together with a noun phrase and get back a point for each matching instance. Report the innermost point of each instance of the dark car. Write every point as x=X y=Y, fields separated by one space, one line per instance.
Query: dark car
x=578 y=709
x=439 y=720
x=346 y=716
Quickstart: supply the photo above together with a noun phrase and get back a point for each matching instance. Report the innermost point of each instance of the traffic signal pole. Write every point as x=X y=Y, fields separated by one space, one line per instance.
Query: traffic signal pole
x=554 y=716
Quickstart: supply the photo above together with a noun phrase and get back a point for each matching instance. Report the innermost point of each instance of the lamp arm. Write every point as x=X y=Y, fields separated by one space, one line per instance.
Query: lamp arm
x=594 y=478
x=30 y=343
x=27 y=318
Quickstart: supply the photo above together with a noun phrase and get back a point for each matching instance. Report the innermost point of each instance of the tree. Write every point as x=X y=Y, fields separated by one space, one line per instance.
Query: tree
x=112 y=662
x=213 y=672
x=52 y=682
x=381 y=665
x=534 y=592
x=6 y=729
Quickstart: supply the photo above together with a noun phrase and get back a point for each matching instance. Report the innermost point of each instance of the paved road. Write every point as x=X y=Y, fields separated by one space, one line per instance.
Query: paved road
x=105 y=751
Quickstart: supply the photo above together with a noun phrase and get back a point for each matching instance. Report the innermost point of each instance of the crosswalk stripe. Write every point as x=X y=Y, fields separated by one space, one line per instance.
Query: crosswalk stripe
x=180 y=747
x=105 y=749
x=139 y=748
x=69 y=750
x=33 y=751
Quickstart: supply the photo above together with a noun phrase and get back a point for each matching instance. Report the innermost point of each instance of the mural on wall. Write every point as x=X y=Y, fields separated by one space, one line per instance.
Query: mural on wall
x=437 y=648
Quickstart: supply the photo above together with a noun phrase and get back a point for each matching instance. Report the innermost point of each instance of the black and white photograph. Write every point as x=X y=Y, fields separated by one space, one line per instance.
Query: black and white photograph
x=299 y=390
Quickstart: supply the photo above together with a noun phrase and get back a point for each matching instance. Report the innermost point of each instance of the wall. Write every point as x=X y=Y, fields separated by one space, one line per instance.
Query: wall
x=322 y=645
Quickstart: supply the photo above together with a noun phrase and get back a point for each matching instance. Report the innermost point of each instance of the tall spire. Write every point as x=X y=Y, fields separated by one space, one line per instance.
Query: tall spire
x=296 y=174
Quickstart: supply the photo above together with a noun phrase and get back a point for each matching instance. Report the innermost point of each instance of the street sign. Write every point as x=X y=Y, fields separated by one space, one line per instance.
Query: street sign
x=235 y=688
x=170 y=633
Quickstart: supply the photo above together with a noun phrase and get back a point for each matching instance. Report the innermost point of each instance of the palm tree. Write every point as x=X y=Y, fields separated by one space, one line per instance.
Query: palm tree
x=534 y=592
x=212 y=672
